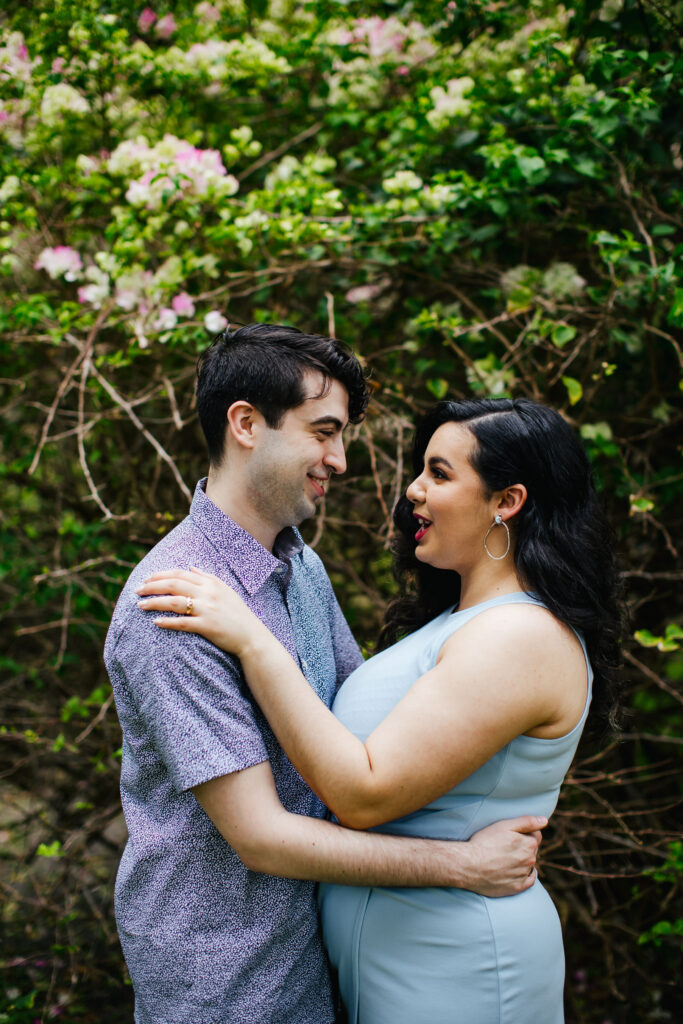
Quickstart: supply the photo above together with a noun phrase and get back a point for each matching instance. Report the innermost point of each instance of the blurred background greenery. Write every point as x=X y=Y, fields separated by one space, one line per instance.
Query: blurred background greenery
x=482 y=198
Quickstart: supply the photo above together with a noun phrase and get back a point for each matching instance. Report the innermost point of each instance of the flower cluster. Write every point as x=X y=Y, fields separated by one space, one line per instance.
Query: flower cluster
x=171 y=169
x=389 y=37
x=59 y=100
x=15 y=62
x=62 y=261
x=450 y=102
x=220 y=60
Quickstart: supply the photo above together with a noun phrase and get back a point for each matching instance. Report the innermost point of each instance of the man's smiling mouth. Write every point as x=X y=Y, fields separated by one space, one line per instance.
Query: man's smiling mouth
x=318 y=484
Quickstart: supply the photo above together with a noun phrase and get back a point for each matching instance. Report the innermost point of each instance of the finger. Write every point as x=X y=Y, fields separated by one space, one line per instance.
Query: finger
x=165 y=603
x=537 y=836
x=182 y=574
x=171 y=585
x=527 y=823
x=201 y=572
x=180 y=623
x=530 y=879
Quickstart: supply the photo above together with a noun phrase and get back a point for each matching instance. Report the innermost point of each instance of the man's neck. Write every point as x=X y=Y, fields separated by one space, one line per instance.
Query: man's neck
x=224 y=490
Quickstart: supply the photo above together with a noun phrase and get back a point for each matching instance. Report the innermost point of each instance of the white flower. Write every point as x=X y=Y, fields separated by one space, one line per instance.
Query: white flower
x=450 y=102
x=62 y=99
x=86 y=164
x=402 y=182
x=95 y=292
x=9 y=188
x=166 y=320
x=215 y=322
x=170 y=169
x=131 y=287
x=62 y=261
x=435 y=197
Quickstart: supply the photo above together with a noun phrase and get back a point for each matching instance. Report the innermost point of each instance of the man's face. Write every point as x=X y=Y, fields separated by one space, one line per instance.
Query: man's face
x=290 y=467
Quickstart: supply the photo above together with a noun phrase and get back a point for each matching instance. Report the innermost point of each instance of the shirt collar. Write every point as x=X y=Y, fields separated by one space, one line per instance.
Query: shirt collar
x=250 y=562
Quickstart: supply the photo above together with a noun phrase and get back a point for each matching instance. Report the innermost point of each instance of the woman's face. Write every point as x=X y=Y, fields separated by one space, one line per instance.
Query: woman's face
x=452 y=509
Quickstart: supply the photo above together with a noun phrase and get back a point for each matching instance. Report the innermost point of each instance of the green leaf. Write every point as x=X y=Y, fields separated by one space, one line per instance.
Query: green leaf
x=438 y=387
x=50 y=850
x=562 y=334
x=574 y=389
x=639 y=504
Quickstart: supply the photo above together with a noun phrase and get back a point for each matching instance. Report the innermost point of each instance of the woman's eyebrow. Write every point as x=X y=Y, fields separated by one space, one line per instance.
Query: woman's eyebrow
x=438 y=460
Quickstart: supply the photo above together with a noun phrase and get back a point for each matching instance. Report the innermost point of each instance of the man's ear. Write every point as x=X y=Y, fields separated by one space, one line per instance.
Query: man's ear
x=244 y=421
x=511 y=501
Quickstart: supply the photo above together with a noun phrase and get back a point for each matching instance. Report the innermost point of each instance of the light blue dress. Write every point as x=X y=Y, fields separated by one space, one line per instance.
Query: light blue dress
x=448 y=956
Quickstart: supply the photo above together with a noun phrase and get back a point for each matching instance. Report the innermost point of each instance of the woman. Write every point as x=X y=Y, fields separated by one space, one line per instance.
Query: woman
x=472 y=716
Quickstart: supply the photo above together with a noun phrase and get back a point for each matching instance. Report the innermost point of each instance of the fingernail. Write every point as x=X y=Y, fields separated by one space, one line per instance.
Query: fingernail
x=542 y=821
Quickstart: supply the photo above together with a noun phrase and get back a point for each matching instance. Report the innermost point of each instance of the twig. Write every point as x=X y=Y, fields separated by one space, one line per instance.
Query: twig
x=275 y=153
x=175 y=412
x=66 y=615
x=80 y=436
x=66 y=380
x=375 y=475
x=88 y=564
x=330 y=315
x=130 y=412
x=96 y=720
x=653 y=676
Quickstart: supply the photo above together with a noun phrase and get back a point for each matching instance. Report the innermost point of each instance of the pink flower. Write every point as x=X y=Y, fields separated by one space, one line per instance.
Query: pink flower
x=58 y=65
x=166 y=27
x=62 y=261
x=183 y=304
x=146 y=19
x=207 y=12
x=365 y=292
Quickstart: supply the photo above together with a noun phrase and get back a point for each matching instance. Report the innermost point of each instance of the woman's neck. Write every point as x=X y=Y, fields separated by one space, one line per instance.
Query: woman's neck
x=487 y=581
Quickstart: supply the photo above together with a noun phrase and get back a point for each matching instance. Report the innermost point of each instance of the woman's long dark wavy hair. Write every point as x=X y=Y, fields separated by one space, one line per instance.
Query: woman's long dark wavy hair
x=563 y=543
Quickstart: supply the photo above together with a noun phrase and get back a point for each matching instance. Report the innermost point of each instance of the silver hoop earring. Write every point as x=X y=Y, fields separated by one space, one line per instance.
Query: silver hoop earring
x=498 y=521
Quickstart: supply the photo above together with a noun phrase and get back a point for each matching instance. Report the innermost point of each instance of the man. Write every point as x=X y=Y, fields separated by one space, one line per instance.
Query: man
x=215 y=900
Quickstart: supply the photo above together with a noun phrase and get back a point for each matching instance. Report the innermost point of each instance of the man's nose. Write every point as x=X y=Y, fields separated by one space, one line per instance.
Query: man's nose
x=335 y=457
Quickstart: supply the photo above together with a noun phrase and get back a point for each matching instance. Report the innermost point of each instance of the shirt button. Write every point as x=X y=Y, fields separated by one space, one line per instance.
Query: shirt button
x=280 y=569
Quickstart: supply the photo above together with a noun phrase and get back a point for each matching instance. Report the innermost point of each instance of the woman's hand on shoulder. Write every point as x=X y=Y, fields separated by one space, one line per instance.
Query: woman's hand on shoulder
x=202 y=604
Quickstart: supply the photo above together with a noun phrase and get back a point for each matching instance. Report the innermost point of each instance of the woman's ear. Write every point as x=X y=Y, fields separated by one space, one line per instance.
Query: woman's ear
x=511 y=501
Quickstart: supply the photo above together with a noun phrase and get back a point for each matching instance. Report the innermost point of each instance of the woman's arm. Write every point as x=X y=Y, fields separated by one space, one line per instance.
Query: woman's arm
x=501 y=675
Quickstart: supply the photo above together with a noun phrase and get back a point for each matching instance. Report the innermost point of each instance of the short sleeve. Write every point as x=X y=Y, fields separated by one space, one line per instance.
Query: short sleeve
x=190 y=703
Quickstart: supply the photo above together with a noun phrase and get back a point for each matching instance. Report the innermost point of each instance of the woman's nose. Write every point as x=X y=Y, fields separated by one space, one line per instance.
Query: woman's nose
x=415 y=491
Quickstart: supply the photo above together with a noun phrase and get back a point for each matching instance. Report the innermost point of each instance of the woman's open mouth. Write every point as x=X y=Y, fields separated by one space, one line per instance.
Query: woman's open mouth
x=424 y=526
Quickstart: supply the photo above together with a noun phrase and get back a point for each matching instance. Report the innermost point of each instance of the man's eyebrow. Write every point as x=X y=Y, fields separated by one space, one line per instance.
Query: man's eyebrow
x=331 y=421
x=438 y=460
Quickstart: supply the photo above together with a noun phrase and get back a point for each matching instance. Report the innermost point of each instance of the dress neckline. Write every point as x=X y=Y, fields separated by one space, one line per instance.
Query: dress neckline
x=455 y=610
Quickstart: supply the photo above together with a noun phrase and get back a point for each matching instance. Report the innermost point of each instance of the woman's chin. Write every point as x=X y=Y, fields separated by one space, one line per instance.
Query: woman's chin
x=423 y=556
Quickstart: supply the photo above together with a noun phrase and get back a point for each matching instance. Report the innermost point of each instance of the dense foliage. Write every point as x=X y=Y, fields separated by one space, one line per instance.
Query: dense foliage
x=483 y=198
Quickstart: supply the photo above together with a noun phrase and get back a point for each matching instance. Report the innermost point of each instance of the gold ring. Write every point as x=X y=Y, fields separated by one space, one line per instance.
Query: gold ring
x=189 y=605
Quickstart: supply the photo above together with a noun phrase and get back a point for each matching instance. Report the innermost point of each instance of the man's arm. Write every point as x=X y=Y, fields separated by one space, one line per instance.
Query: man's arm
x=246 y=810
